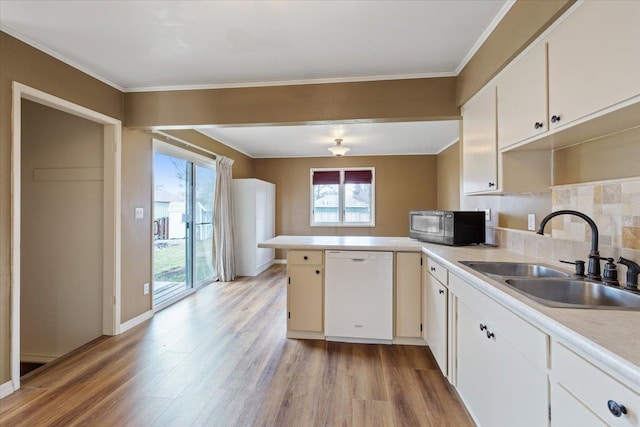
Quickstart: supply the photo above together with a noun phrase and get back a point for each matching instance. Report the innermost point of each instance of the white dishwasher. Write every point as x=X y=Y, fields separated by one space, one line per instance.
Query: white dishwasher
x=358 y=296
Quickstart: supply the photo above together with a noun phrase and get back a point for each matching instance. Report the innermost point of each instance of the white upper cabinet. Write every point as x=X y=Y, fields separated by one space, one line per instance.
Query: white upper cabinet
x=522 y=98
x=479 y=154
x=594 y=60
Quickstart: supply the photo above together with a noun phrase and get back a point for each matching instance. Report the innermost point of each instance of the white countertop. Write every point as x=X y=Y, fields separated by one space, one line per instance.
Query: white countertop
x=611 y=337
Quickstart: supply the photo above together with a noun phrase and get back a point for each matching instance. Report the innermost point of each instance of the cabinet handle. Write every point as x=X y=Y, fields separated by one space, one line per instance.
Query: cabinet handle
x=432 y=269
x=490 y=335
x=440 y=291
x=616 y=409
x=538 y=125
x=483 y=327
x=555 y=119
x=317 y=271
x=306 y=257
x=491 y=184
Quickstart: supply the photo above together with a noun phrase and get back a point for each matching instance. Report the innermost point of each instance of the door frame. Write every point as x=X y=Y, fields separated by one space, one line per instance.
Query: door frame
x=112 y=187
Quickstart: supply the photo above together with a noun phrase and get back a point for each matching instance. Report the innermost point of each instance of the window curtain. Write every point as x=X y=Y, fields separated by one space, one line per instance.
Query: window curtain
x=223 y=221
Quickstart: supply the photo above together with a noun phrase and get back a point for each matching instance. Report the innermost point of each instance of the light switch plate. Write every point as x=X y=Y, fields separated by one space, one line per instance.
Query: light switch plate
x=531 y=222
x=145 y=289
x=487 y=214
x=139 y=213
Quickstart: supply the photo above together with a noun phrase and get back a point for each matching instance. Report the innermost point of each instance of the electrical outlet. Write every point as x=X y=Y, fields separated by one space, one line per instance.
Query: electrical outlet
x=139 y=213
x=487 y=214
x=145 y=289
x=531 y=222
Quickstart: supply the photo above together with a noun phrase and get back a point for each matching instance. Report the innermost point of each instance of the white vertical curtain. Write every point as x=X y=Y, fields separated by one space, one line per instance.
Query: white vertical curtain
x=223 y=221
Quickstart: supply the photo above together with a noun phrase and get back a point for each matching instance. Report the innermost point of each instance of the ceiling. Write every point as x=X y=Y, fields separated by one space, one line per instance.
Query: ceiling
x=163 y=45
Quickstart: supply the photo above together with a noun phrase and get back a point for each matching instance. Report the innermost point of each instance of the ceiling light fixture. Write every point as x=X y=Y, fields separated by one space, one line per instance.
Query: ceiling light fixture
x=339 y=150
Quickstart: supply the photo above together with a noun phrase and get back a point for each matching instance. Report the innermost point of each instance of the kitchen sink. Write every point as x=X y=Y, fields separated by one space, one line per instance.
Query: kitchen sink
x=572 y=293
x=518 y=269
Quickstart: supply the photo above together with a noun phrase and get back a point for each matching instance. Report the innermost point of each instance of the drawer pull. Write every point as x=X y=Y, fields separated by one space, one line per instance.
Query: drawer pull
x=306 y=257
x=440 y=291
x=433 y=269
x=490 y=335
x=317 y=271
x=538 y=125
x=483 y=327
x=616 y=409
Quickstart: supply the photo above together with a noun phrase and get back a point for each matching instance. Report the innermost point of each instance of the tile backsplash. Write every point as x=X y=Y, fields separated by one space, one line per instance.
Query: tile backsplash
x=613 y=205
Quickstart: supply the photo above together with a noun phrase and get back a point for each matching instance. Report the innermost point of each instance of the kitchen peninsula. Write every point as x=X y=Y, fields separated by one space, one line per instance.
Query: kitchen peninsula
x=578 y=362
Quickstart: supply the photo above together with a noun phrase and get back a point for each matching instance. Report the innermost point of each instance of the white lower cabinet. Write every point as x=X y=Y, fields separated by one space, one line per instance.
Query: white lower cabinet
x=501 y=362
x=435 y=304
x=585 y=395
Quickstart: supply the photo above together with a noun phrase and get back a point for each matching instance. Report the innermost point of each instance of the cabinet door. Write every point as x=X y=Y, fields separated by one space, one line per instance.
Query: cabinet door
x=408 y=300
x=594 y=59
x=479 y=145
x=567 y=411
x=522 y=98
x=499 y=385
x=435 y=313
x=304 y=298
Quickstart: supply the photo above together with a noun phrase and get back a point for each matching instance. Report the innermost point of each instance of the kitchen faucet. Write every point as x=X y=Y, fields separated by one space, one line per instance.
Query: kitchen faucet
x=593 y=270
x=633 y=270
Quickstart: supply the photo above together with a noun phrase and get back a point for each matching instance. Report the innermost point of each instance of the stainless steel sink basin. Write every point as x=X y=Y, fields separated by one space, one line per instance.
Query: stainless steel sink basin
x=513 y=269
x=571 y=293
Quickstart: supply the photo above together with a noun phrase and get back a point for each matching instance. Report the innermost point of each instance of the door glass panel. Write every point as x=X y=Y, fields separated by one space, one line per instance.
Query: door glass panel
x=203 y=224
x=171 y=275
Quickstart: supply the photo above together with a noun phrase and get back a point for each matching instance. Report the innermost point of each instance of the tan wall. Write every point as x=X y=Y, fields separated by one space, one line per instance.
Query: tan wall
x=137 y=167
x=403 y=183
x=242 y=165
x=27 y=65
x=525 y=21
x=410 y=99
x=61 y=239
x=611 y=157
x=448 y=192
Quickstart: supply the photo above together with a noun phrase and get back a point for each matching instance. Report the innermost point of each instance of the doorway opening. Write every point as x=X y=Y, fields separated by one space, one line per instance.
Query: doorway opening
x=108 y=173
x=183 y=203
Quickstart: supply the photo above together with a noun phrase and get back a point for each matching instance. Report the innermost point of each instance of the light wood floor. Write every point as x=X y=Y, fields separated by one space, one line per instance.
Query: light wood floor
x=220 y=358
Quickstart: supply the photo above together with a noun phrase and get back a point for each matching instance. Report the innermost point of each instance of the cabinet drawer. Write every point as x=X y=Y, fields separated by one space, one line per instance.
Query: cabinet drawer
x=525 y=337
x=438 y=271
x=305 y=257
x=594 y=388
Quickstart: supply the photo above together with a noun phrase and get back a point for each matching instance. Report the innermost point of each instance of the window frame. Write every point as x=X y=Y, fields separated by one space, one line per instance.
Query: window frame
x=341 y=200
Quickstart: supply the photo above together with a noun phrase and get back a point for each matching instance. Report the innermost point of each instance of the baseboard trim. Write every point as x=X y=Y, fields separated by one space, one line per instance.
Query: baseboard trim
x=37 y=358
x=280 y=261
x=131 y=323
x=6 y=389
x=409 y=341
x=306 y=335
x=360 y=340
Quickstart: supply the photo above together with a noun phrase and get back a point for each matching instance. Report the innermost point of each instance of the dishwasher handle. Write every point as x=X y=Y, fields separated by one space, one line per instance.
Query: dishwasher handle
x=358 y=259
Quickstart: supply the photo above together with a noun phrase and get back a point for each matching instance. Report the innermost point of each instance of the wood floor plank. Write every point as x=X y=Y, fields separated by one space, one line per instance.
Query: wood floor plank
x=221 y=357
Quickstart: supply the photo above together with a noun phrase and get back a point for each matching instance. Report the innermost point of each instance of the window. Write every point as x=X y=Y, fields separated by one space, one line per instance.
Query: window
x=343 y=197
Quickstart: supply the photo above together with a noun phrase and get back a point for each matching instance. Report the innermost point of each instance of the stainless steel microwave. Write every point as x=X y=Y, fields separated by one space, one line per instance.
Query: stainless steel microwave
x=454 y=228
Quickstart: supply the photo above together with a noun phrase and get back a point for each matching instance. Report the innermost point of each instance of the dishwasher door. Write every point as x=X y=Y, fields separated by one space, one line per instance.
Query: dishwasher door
x=359 y=296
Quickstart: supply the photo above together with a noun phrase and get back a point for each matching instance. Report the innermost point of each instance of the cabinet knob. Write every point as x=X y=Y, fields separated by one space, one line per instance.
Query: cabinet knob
x=440 y=291
x=538 y=125
x=432 y=269
x=317 y=271
x=616 y=409
x=490 y=335
x=555 y=119
x=306 y=257
x=491 y=184
x=483 y=327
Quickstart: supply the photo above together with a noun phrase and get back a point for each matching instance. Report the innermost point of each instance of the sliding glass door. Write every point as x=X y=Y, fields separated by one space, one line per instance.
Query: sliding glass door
x=183 y=254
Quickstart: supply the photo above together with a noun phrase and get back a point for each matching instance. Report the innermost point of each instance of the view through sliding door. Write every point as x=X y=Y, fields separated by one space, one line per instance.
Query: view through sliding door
x=182 y=224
